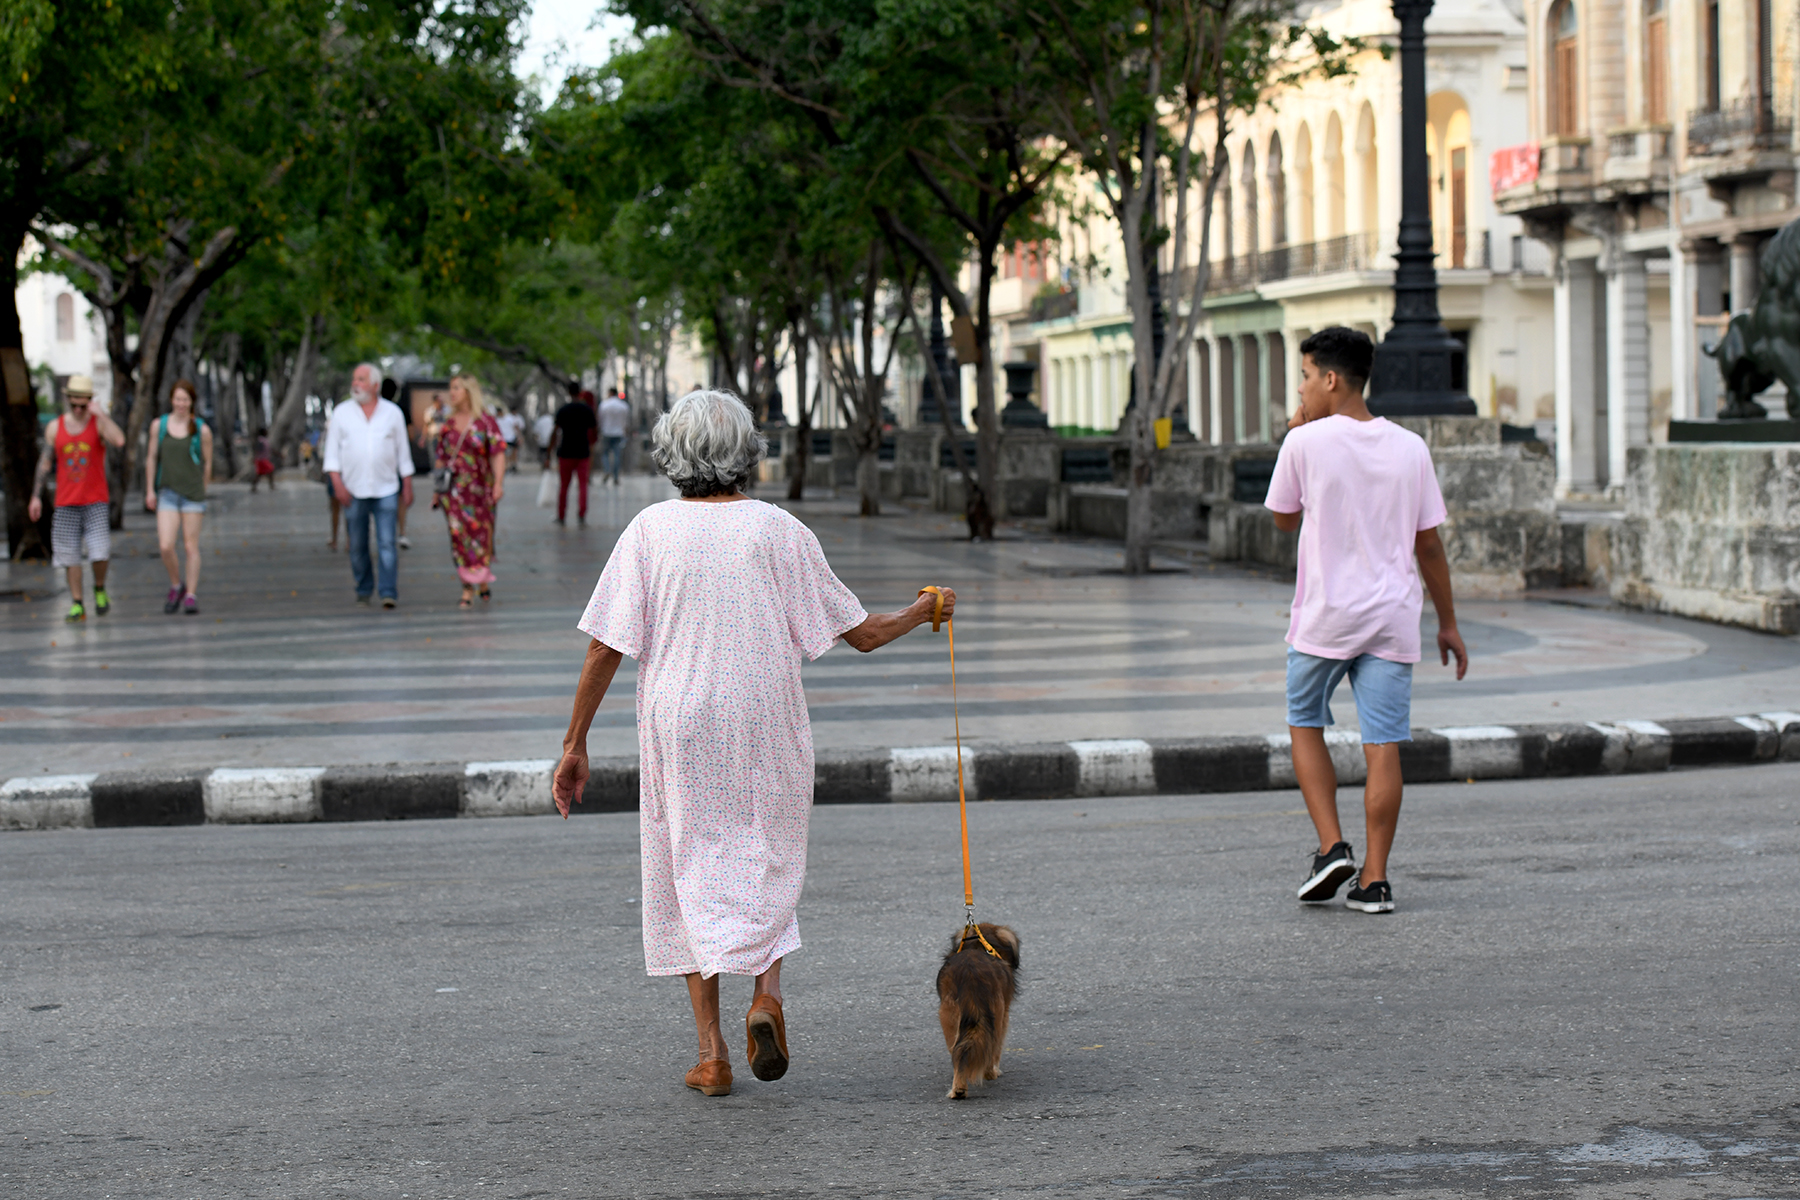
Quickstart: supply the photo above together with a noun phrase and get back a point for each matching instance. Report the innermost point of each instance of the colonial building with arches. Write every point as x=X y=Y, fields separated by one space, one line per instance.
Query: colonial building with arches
x=1661 y=156
x=1303 y=236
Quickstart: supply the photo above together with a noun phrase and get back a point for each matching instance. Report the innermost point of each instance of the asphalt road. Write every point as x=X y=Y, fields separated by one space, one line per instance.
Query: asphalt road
x=1589 y=990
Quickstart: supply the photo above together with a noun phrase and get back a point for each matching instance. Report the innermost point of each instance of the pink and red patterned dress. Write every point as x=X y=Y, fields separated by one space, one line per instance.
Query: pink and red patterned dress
x=469 y=505
x=718 y=603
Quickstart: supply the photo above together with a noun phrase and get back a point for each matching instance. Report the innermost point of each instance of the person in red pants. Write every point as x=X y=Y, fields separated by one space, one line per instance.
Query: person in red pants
x=576 y=431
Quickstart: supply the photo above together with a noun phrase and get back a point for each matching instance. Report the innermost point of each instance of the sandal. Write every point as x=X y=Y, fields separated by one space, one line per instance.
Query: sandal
x=486 y=594
x=467 y=601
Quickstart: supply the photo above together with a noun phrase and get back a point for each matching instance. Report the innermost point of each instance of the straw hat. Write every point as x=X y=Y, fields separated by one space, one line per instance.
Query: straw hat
x=79 y=385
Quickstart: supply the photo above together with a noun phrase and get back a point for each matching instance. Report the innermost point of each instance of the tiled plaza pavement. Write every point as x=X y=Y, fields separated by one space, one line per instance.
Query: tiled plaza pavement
x=1053 y=643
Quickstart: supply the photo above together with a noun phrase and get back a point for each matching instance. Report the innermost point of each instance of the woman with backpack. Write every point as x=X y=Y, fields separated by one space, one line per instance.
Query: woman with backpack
x=176 y=471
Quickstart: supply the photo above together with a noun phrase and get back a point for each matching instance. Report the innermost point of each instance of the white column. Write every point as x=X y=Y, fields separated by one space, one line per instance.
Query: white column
x=1215 y=381
x=1743 y=275
x=1577 y=378
x=1682 y=342
x=1627 y=364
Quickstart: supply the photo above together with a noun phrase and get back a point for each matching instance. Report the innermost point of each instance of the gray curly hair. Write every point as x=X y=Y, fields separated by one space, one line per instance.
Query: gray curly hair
x=707 y=444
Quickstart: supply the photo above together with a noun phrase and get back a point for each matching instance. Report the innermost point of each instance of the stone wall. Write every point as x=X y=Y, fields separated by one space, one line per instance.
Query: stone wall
x=1712 y=531
x=1502 y=536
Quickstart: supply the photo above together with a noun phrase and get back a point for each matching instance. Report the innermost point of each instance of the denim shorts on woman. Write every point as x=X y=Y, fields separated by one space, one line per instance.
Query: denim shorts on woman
x=170 y=500
x=1383 y=693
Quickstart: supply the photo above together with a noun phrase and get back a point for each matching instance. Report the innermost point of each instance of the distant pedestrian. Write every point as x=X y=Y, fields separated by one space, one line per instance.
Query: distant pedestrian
x=542 y=430
x=469 y=479
x=177 y=470
x=265 y=461
x=511 y=424
x=390 y=392
x=317 y=437
x=576 y=431
x=719 y=597
x=615 y=423
x=371 y=468
x=75 y=447
x=1364 y=495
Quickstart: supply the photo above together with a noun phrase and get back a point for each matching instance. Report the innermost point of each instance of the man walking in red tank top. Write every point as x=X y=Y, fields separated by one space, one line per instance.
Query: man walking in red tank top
x=76 y=443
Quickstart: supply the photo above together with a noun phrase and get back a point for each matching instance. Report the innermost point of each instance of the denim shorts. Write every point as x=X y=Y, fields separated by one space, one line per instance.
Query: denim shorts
x=1383 y=692
x=170 y=500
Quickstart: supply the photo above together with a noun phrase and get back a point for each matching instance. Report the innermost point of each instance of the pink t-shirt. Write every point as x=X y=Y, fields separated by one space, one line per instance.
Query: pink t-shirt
x=1367 y=489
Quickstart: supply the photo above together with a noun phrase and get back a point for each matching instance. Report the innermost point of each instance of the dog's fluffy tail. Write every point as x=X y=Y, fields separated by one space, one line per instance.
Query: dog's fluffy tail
x=974 y=1048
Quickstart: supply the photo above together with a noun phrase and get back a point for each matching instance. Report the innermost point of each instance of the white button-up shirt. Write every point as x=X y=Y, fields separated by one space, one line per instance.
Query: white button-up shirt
x=371 y=454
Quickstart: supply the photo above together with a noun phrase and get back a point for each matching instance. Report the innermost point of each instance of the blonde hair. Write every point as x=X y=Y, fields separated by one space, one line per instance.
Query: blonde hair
x=477 y=402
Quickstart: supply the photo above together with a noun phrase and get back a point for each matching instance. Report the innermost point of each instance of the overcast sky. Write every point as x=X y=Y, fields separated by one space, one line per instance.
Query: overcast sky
x=559 y=37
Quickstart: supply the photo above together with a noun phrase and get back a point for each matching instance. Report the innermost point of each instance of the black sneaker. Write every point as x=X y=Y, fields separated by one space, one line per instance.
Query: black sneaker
x=1329 y=871
x=1378 y=897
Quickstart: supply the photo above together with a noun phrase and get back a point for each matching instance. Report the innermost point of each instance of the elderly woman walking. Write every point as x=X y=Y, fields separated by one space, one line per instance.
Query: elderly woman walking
x=718 y=597
x=469 y=481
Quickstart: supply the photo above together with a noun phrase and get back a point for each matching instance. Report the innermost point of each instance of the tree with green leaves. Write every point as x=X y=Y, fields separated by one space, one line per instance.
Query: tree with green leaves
x=949 y=95
x=1146 y=77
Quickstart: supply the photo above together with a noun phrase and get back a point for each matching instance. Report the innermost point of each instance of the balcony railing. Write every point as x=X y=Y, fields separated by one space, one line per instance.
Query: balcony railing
x=1242 y=272
x=1747 y=125
x=1054 y=305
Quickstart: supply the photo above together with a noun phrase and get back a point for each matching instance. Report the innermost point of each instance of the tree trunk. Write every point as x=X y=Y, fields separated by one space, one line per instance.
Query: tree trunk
x=803 y=427
x=19 y=430
x=987 y=413
x=290 y=416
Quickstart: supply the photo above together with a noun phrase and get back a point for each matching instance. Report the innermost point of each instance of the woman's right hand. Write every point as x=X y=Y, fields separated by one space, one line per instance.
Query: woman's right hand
x=570 y=780
x=149 y=501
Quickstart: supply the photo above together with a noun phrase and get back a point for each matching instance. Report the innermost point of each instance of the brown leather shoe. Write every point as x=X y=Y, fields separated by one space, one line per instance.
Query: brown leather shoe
x=710 y=1078
x=768 y=1038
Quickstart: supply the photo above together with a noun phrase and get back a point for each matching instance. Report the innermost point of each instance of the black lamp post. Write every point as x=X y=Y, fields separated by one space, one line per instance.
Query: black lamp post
x=929 y=413
x=1416 y=364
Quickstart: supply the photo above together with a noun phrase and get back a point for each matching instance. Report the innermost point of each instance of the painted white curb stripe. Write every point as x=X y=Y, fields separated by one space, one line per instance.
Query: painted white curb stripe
x=236 y=795
x=1484 y=751
x=1115 y=767
x=47 y=802
x=928 y=773
x=508 y=789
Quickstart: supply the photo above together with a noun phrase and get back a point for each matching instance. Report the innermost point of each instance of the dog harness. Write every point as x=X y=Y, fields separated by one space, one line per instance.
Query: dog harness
x=970 y=928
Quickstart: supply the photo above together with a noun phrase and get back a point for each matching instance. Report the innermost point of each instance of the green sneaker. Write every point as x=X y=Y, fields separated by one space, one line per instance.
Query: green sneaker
x=101 y=604
x=76 y=613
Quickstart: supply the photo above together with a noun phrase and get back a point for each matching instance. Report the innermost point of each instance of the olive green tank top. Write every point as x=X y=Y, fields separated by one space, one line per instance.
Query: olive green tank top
x=177 y=470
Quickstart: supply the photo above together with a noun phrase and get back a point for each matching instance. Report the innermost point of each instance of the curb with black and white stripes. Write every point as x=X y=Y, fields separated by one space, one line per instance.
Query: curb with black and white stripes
x=1033 y=771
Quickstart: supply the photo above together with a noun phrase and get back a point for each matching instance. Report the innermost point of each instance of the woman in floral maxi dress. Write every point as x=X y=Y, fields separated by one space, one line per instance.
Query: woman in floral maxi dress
x=470 y=445
x=719 y=597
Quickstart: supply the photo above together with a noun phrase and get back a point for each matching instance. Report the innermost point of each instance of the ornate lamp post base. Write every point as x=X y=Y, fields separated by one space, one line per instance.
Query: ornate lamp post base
x=1020 y=412
x=1415 y=364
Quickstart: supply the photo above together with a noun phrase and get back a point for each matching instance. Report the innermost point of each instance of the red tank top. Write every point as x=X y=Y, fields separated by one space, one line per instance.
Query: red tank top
x=80 y=465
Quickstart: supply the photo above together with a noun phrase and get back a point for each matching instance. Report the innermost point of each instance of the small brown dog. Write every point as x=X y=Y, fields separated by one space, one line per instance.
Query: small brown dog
x=975 y=995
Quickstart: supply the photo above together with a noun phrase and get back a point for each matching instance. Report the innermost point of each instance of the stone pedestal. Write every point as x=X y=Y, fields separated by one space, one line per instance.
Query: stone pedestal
x=1502 y=535
x=1712 y=531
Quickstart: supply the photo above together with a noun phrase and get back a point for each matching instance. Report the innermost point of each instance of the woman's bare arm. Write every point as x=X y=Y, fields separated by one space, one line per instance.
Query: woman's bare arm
x=878 y=629
x=571 y=776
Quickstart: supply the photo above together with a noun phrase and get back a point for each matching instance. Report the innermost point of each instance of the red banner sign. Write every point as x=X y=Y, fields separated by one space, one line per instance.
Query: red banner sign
x=1513 y=167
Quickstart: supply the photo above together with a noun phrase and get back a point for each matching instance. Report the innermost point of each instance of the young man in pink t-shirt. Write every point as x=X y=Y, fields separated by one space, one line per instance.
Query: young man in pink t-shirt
x=1371 y=506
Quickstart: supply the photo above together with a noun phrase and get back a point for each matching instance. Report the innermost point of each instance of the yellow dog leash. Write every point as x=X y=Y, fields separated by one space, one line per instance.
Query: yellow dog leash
x=970 y=928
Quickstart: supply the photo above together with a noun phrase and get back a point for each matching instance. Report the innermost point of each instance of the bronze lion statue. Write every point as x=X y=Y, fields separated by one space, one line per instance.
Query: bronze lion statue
x=1763 y=345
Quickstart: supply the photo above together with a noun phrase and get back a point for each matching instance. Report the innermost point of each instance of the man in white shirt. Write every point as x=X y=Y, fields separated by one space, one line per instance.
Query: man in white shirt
x=615 y=423
x=510 y=423
x=370 y=464
x=545 y=426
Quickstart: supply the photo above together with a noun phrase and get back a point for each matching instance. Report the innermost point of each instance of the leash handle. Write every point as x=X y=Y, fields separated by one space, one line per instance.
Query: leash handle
x=937 y=614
